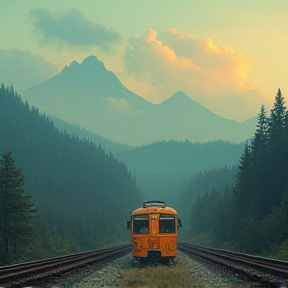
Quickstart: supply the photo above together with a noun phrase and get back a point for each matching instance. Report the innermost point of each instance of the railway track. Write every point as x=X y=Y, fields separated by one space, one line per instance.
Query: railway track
x=261 y=271
x=269 y=272
x=35 y=269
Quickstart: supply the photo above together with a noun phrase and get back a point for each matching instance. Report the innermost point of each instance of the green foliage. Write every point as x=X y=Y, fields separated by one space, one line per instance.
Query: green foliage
x=274 y=227
x=202 y=198
x=260 y=190
x=203 y=239
x=83 y=194
x=204 y=212
x=223 y=227
x=277 y=147
x=254 y=218
x=15 y=211
x=249 y=233
x=281 y=252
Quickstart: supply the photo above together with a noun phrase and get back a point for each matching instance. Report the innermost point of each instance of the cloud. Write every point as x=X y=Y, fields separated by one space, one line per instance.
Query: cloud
x=72 y=28
x=221 y=64
x=216 y=77
x=24 y=69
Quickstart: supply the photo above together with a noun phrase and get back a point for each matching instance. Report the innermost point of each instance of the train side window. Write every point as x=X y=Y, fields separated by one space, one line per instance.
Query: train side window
x=167 y=223
x=141 y=224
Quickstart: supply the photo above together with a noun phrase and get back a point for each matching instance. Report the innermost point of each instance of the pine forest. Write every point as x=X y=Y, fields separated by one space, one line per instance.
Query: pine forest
x=249 y=214
x=83 y=195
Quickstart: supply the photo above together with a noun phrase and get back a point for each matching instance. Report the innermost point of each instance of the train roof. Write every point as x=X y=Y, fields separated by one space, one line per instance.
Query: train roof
x=154 y=207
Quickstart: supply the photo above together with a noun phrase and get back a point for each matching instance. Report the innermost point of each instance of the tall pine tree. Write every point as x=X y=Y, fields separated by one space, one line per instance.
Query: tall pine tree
x=260 y=166
x=277 y=145
x=243 y=185
x=15 y=211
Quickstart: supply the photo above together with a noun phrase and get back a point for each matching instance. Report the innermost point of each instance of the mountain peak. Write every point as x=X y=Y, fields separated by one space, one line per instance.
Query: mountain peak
x=179 y=101
x=180 y=96
x=91 y=58
x=90 y=63
x=74 y=64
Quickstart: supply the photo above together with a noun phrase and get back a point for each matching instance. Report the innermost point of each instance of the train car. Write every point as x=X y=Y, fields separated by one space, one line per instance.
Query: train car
x=154 y=232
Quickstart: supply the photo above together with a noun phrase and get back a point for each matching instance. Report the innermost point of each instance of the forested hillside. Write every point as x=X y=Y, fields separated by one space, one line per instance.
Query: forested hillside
x=200 y=200
x=83 y=195
x=163 y=168
x=252 y=216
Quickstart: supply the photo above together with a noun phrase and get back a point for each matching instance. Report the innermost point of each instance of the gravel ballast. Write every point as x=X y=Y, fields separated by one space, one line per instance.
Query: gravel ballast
x=110 y=274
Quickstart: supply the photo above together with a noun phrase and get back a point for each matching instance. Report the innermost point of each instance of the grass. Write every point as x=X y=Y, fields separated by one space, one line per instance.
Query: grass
x=157 y=277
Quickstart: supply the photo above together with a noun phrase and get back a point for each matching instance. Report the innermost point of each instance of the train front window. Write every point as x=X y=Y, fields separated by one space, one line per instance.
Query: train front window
x=167 y=223
x=141 y=224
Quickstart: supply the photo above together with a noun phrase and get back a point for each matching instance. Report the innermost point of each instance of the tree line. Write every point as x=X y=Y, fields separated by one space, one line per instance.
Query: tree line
x=83 y=195
x=252 y=214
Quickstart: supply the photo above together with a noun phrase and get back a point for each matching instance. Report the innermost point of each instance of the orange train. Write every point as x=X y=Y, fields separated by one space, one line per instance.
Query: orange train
x=154 y=232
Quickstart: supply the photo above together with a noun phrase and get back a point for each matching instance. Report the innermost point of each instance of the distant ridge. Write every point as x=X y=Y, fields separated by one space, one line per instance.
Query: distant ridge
x=88 y=95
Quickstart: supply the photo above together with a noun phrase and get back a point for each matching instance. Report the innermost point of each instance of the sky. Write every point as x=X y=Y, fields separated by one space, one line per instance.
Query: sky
x=229 y=55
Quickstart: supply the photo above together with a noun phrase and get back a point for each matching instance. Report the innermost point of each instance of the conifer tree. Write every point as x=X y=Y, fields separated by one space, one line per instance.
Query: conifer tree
x=244 y=179
x=277 y=142
x=262 y=174
x=261 y=134
x=15 y=211
x=260 y=164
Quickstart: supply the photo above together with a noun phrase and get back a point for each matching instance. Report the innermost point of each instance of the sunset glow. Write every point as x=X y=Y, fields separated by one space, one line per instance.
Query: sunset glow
x=223 y=58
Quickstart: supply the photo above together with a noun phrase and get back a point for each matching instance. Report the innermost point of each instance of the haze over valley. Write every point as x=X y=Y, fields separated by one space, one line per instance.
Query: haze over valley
x=88 y=95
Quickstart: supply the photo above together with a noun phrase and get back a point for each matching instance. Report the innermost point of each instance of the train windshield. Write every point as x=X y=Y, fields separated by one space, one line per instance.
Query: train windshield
x=167 y=223
x=141 y=224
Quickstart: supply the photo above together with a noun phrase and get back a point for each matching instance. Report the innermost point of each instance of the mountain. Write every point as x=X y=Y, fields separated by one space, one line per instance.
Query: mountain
x=88 y=95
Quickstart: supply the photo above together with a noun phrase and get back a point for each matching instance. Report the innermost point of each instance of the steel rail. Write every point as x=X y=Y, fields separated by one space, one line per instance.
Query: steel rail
x=24 y=271
x=276 y=264
x=272 y=267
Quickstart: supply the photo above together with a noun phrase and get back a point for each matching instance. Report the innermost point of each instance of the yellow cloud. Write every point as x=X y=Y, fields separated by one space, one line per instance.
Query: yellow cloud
x=210 y=46
x=151 y=36
x=230 y=66
x=164 y=63
x=165 y=54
